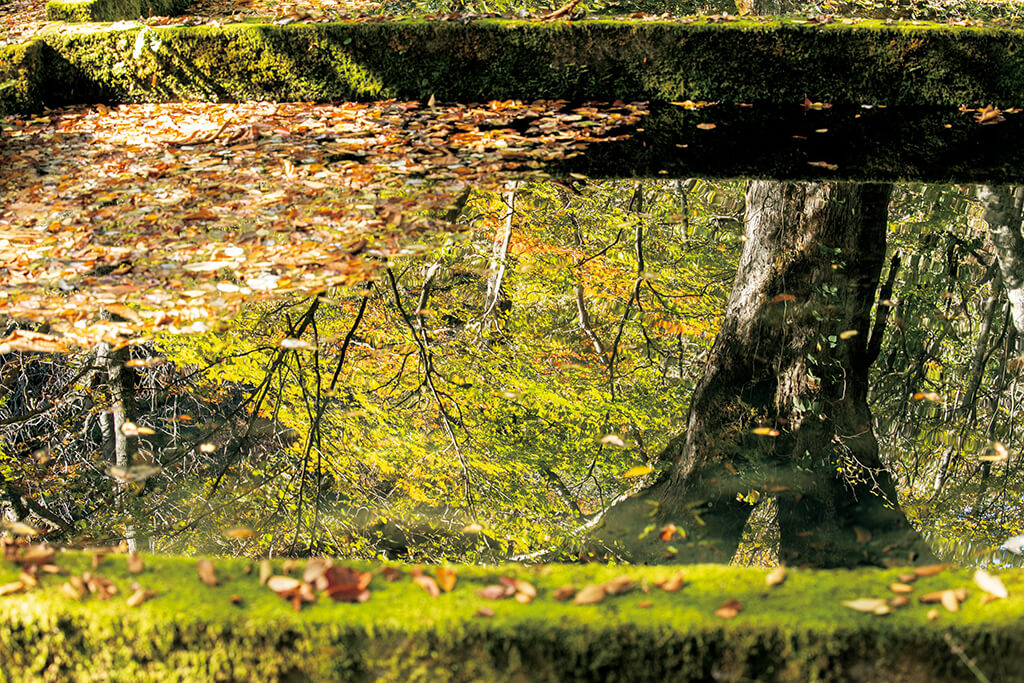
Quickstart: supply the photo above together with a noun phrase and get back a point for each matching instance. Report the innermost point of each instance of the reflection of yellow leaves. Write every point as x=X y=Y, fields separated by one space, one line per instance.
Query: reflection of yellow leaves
x=637 y=471
x=927 y=396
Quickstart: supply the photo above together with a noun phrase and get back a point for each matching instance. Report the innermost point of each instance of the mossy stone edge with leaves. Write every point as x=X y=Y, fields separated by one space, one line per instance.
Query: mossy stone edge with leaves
x=798 y=630
x=749 y=61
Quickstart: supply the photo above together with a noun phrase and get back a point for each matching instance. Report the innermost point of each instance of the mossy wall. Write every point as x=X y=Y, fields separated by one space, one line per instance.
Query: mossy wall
x=111 y=10
x=739 y=61
x=238 y=630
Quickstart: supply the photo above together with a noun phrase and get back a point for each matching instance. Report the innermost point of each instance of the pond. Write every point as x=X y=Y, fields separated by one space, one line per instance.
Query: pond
x=394 y=330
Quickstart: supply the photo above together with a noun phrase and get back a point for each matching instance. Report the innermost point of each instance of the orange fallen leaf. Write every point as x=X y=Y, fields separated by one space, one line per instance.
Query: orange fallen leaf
x=445 y=578
x=729 y=610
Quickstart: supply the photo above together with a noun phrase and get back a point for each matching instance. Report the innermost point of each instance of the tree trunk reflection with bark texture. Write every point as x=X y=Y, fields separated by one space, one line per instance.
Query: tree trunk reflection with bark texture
x=782 y=407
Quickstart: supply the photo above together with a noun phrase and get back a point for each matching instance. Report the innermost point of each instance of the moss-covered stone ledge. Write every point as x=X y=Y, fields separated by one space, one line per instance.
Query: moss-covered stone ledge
x=748 y=61
x=238 y=630
x=111 y=10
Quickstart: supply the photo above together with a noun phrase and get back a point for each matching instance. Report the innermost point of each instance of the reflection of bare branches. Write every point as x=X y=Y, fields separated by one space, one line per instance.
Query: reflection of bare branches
x=428 y=371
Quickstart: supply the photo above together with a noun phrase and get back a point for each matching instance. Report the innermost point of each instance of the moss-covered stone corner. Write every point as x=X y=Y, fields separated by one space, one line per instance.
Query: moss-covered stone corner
x=238 y=630
x=778 y=62
x=20 y=69
x=111 y=10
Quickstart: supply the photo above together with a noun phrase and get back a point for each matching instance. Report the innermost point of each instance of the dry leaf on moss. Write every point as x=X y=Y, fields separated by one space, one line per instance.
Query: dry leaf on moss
x=207 y=573
x=776 y=576
x=991 y=584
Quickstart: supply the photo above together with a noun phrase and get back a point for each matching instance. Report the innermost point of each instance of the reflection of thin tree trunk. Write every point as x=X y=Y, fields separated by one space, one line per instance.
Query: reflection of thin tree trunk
x=1002 y=212
x=495 y=298
x=121 y=383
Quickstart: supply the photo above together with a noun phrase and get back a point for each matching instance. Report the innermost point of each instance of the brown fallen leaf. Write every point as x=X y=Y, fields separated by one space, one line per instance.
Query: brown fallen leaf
x=207 y=573
x=563 y=593
x=266 y=571
x=899 y=601
x=907 y=577
x=673 y=583
x=590 y=595
x=525 y=588
x=523 y=598
x=933 y=614
x=391 y=573
x=140 y=596
x=235 y=599
x=485 y=612
x=776 y=576
x=345 y=585
x=644 y=604
x=901 y=588
x=28 y=579
x=618 y=585
x=134 y=563
x=492 y=592
x=428 y=584
x=729 y=610
x=12 y=587
x=445 y=579
x=931 y=569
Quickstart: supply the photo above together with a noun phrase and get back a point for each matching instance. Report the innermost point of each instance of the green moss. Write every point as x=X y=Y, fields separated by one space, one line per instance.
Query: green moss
x=741 y=61
x=797 y=631
x=111 y=10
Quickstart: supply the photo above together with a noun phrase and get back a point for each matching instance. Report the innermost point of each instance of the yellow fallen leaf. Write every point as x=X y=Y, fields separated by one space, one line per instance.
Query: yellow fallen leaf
x=776 y=576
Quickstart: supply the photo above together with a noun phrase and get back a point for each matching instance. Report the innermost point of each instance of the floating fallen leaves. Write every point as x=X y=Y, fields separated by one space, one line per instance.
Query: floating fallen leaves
x=991 y=584
x=172 y=175
x=765 y=431
x=775 y=577
x=240 y=533
x=613 y=440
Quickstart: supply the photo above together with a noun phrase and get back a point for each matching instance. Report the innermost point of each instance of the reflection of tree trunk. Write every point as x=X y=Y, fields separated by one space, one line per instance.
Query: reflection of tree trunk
x=782 y=407
x=1002 y=212
x=496 y=300
x=121 y=383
